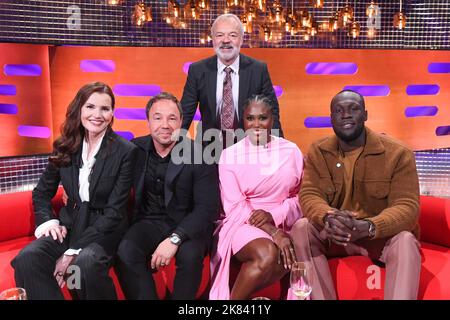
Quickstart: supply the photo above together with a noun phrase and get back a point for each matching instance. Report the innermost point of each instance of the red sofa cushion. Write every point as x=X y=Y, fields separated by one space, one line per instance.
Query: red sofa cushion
x=434 y=220
x=351 y=274
x=17 y=214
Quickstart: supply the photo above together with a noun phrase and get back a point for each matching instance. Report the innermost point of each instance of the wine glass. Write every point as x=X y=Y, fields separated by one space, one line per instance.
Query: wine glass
x=301 y=280
x=13 y=294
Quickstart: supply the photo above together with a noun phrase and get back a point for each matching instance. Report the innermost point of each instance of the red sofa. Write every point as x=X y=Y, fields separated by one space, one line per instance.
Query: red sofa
x=350 y=274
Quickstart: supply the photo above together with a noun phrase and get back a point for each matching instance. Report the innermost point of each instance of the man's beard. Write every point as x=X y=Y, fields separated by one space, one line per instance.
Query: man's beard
x=227 y=56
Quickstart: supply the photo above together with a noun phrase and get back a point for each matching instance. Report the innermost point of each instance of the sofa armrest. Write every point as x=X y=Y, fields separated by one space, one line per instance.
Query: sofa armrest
x=17 y=216
x=434 y=220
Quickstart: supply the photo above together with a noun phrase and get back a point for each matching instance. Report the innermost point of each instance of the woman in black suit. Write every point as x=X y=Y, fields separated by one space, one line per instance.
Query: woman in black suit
x=94 y=165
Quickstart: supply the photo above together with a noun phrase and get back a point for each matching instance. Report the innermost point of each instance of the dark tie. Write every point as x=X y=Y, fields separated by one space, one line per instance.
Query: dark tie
x=227 y=112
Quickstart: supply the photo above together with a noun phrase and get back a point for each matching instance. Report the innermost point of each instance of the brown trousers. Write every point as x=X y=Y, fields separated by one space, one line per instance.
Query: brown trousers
x=400 y=254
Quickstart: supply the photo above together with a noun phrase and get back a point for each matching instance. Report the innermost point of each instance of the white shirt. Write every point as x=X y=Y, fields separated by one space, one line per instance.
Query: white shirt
x=235 y=84
x=85 y=171
x=83 y=180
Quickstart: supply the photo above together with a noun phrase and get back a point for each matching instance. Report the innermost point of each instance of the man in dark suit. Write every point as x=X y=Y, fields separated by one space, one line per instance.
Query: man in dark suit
x=221 y=84
x=176 y=203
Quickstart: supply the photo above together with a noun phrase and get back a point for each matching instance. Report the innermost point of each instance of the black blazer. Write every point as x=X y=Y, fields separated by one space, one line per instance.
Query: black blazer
x=201 y=84
x=109 y=188
x=191 y=191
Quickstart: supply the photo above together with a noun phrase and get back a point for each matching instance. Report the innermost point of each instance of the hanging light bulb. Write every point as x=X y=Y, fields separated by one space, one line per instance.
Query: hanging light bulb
x=114 y=2
x=203 y=4
x=305 y=19
x=313 y=29
x=287 y=25
x=175 y=9
x=261 y=5
x=316 y=3
x=191 y=10
x=202 y=38
x=250 y=13
x=248 y=28
x=174 y=15
x=235 y=3
x=276 y=13
x=138 y=17
x=148 y=14
x=333 y=24
x=371 y=33
x=295 y=29
x=324 y=26
x=354 y=30
x=266 y=32
x=400 y=18
x=372 y=9
x=346 y=15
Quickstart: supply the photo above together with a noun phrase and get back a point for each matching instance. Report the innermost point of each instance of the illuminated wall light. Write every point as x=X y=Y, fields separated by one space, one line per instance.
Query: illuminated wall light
x=125 y=134
x=370 y=91
x=8 y=108
x=34 y=131
x=97 y=66
x=318 y=122
x=422 y=89
x=136 y=90
x=278 y=91
x=186 y=66
x=439 y=67
x=130 y=113
x=8 y=90
x=27 y=70
x=421 y=111
x=197 y=115
x=443 y=131
x=327 y=68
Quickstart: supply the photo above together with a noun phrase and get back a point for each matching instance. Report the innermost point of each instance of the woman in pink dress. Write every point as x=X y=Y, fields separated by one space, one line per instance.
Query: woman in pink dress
x=259 y=180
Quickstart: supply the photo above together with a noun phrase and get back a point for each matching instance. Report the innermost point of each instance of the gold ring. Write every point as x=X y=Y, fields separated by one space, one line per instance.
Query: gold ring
x=60 y=273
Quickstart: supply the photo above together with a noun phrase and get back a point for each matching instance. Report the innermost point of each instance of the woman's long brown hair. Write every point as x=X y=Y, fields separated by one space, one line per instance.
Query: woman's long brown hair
x=72 y=130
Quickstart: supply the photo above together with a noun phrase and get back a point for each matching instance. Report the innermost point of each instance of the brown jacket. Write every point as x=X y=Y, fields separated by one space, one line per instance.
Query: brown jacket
x=385 y=184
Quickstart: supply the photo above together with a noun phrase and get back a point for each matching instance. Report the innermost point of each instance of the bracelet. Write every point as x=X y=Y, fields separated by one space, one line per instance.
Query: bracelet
x=274 y=233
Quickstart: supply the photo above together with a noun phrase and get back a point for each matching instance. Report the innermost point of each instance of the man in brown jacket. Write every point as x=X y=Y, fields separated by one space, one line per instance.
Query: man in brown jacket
x=360 y=195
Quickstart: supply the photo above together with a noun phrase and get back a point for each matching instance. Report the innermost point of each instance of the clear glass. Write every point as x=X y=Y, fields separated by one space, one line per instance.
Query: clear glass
x=301 y=280
x=13 y=294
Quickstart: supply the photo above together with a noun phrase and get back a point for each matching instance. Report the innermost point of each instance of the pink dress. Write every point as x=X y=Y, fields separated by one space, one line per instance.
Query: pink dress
x=253 y=177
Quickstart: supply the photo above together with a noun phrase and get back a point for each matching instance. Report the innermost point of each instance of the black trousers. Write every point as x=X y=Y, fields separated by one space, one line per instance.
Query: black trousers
x=35 y=264
x=134 y=253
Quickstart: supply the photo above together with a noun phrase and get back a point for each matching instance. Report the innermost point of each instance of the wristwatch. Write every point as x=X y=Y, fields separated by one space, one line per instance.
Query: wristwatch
x=175 y=239
x=371 y=229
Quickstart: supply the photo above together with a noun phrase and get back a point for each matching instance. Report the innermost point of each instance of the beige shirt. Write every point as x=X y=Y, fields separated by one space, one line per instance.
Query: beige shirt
x=349 y=159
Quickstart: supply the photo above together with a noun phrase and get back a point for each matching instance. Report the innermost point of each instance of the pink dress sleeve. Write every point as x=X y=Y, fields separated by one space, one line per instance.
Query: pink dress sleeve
x=289 y=211
x=235 y=204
